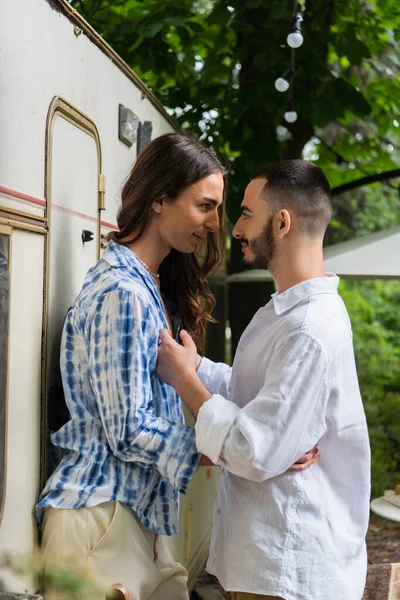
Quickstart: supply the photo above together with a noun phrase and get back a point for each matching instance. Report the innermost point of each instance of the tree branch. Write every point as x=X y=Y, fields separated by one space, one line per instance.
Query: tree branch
x=352 y=185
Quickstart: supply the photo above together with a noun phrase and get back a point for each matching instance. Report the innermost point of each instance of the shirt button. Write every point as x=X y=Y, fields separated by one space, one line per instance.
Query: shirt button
x=229 y=389
x=218 y=511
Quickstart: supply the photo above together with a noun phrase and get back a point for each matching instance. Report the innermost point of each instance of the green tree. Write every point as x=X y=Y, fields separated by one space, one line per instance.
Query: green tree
x=213 y=64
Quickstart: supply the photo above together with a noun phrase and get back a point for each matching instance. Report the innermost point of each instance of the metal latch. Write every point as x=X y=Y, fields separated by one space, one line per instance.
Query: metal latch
x=102 y=191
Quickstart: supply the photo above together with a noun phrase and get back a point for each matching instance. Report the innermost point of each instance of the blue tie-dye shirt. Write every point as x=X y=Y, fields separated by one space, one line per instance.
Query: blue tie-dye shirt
x=126 y=439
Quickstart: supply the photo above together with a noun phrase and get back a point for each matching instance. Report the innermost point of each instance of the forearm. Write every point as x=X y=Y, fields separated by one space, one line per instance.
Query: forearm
x=193 y=392
x=254 y=451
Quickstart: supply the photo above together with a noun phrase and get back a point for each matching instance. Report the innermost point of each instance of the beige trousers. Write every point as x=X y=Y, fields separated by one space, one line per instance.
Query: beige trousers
x=115 y=547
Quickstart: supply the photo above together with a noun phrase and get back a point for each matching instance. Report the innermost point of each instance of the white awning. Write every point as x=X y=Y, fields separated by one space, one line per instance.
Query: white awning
x=374 y=256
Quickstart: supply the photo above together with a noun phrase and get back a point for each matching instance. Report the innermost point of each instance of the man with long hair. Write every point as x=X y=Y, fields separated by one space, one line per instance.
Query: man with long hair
x=293 y=385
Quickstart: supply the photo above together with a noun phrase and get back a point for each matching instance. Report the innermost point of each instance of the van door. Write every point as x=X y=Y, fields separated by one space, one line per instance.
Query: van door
x=73 y=174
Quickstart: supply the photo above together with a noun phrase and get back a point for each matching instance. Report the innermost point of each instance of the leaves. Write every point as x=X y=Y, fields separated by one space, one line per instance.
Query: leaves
x=213 y=63
x=373 y=308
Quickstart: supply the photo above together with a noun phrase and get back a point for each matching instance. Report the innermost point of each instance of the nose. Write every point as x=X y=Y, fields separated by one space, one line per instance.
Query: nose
x=212 y=222
x=236 y=232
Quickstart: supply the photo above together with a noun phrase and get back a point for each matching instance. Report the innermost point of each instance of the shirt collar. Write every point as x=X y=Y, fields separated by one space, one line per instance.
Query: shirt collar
x=120 y=256
x=296 y=294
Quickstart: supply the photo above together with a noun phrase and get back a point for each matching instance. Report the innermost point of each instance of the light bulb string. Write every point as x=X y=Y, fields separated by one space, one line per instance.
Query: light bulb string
x=294 y=15
x=297 y=12
x=290 y=104
x=289 y=75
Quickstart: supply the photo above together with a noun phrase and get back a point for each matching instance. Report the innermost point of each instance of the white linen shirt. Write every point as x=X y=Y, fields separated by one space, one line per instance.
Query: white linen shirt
x=300 y=536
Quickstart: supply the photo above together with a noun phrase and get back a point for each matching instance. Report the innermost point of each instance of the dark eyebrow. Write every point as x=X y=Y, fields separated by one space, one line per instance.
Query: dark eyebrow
x=245 y=208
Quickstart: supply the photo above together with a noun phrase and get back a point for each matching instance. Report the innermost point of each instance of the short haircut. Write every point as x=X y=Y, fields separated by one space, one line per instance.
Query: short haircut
x=299 y=186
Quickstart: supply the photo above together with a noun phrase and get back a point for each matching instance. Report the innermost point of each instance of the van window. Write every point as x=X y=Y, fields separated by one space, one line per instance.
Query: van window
x=4 y=308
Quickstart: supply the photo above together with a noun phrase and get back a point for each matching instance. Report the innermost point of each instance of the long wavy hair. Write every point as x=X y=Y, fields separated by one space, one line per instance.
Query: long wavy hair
x=168 y=165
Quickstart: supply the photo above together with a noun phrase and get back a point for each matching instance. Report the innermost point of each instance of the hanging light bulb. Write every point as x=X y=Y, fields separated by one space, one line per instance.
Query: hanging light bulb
x=290 y=113
x=295 y=38
x=291 y=116
x=282 y=83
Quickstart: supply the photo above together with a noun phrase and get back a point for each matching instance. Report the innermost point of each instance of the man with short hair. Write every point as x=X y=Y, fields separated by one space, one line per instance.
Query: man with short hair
x=279 y=534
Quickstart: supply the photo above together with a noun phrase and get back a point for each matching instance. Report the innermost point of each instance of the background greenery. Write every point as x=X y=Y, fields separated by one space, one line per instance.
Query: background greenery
x=213 y=64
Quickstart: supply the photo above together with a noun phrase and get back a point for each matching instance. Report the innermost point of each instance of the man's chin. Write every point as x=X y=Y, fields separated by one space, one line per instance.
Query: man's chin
x=253 y=263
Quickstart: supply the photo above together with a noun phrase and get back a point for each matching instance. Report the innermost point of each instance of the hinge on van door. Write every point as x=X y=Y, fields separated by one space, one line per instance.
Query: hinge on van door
x=102 y=192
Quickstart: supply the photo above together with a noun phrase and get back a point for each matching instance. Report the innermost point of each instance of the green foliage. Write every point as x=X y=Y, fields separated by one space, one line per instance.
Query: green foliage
x=364 y=211
x=67 y=581
x=375 y=315
x=213 y=64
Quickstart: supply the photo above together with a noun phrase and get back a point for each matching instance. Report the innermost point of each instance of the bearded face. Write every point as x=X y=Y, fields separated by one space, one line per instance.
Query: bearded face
x=259 y=252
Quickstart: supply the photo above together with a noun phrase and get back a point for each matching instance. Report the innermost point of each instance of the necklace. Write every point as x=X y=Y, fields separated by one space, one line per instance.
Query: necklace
x=156 y=275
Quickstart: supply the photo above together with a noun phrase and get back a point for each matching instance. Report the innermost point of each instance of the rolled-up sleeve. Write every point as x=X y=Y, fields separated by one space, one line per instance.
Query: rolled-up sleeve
x=284 y=421
x=215 y=376
x=122 y=346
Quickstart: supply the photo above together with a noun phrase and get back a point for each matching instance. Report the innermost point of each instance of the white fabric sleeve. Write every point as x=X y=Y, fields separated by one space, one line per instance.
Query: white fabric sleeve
x=284 y=421
x=215 y=376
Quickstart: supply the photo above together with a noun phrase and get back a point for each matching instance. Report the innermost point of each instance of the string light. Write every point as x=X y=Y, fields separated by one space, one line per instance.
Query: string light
x=282 y=83
x=295 y=38
x=290 y=113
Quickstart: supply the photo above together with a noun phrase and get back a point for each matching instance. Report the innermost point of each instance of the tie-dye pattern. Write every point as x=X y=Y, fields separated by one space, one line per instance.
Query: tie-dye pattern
x=126 y=439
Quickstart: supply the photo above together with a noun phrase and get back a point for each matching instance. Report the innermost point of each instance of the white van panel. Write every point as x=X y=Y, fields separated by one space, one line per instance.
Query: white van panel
x=42 y=57
x=18 y=531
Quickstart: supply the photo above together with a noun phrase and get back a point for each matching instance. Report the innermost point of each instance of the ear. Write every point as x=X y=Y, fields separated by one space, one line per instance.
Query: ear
x=158 y=206
x=283 y=223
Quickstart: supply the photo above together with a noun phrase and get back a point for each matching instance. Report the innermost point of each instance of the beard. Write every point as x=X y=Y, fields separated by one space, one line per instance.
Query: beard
x=263 y=248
